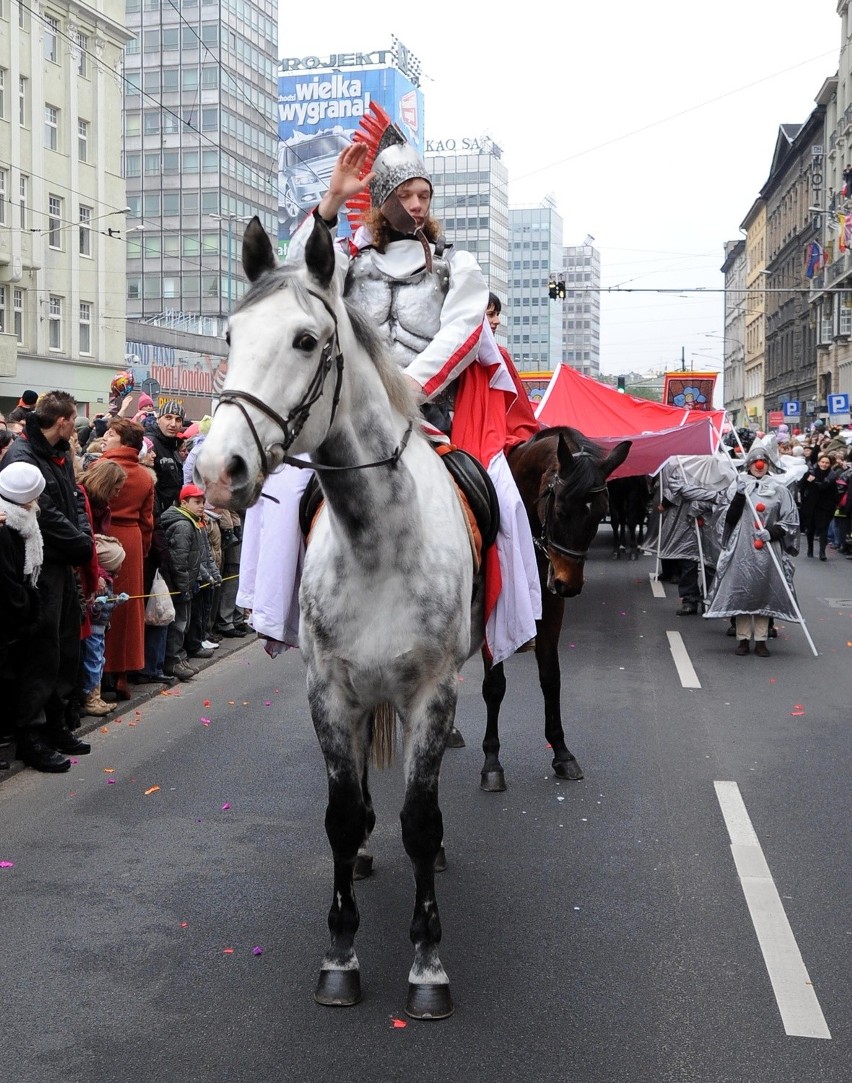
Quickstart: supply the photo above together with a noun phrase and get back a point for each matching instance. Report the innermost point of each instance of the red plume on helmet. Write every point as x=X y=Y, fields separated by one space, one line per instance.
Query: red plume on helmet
x=370 y=132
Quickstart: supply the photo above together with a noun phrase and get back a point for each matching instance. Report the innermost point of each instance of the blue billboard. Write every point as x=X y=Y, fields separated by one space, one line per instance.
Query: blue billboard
x=317 y=113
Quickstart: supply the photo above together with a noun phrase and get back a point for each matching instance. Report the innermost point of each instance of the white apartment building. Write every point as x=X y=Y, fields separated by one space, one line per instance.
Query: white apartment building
x=62 y=198
x=581 y=309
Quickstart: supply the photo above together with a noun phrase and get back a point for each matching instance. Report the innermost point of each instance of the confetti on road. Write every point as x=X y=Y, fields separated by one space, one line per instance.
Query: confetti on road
x=151 y=789
x=398 y=1024
x=204 y=721
x=257 y=951
x=227 y=951
x=109 y=770
x=798 y=710
x=7 y=864
x=226 y=806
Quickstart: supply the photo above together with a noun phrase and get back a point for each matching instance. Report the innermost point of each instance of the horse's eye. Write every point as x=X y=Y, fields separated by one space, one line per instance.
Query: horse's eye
x=305 y=342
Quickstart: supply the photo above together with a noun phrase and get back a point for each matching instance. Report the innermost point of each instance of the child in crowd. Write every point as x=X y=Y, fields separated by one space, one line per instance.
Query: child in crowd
x=183 y=526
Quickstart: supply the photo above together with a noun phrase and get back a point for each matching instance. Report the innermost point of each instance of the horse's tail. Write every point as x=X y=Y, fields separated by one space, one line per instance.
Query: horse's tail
x=384 y=735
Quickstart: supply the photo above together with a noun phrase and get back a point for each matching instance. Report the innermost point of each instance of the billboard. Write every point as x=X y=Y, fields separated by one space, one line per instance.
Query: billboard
x=689 y=390
x=318 y=110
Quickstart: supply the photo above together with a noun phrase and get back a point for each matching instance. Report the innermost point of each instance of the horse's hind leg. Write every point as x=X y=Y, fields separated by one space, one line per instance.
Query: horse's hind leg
x=492 y=778
x=422 y=833
x=346 y=824
x=564 y=763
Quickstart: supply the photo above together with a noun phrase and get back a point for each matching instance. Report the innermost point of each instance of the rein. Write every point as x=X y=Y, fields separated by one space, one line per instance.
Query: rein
x=293 y=424
x=544 y=541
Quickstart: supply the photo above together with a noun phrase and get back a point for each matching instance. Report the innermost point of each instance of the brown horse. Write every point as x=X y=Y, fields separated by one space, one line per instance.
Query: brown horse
x=561 y=477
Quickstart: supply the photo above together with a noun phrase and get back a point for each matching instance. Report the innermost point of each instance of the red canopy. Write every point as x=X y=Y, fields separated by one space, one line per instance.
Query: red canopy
x=608 y=416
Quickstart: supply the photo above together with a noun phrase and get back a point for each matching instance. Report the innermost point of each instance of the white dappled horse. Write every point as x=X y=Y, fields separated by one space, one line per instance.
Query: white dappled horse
x=388 y=575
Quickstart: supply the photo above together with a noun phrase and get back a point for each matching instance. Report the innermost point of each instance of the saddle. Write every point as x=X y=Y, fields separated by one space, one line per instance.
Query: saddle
x=479 y=497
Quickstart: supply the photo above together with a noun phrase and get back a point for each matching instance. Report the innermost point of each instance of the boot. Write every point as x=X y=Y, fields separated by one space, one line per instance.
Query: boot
x=41 y=757
x=743 y=647
x=95 y=706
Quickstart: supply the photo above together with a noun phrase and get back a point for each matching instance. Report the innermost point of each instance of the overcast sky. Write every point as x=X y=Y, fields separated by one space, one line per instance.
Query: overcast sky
x=652 y=125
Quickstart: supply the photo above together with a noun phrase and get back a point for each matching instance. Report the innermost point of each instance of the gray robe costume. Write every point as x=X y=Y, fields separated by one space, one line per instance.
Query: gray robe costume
x=747 y=580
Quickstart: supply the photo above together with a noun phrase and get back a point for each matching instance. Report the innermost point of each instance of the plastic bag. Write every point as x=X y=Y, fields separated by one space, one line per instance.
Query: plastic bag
x=159 y=609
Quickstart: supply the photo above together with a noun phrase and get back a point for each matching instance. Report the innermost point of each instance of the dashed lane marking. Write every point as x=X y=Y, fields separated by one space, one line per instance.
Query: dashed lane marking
x=794 y=992
x=657 y=588
x=688 y=676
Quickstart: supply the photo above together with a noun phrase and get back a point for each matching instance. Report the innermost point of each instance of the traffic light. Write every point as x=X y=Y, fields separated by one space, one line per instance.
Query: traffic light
x=552 y=289
x=560 y=289
x=622 y=384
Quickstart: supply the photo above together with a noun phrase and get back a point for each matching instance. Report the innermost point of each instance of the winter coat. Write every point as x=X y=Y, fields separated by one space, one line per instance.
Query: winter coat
x=169 y=470
x=19 y=605
x=818 y=498
x=183 y=536
x=133 y=524
x=747 y=580
x=684 y=505
x=62 y=516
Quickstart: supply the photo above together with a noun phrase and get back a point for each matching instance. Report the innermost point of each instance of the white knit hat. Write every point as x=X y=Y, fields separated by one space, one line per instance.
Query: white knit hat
x=21 y=482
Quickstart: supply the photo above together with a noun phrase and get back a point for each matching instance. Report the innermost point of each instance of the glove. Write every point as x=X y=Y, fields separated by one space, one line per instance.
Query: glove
x=763 y=535
x=776 y=532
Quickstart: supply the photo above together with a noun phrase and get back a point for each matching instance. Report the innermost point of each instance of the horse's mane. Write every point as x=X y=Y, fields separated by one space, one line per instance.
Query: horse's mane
x=365 y=334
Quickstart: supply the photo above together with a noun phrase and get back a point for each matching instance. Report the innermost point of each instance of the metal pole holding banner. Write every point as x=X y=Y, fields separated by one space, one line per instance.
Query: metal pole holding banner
x=780 y=571
x=701 y=560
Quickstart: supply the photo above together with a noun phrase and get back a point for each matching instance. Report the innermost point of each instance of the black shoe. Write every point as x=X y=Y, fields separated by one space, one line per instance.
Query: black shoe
x=761 y=650
x=65 y=741
x=233 y=633
x=742 y=647
x=688 y=609
x=202 y=652
x=41 y=757
x=732 y=630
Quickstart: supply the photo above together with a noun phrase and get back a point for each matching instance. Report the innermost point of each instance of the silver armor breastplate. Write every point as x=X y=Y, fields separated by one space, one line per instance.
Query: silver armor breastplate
x=405 y=311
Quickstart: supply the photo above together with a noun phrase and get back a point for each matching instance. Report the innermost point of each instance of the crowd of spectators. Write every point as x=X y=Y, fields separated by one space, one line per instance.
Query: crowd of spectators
x=93 y=514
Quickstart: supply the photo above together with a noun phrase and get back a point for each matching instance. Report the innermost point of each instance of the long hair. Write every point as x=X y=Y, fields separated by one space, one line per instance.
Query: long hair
x=382 y=233
x=102 y=481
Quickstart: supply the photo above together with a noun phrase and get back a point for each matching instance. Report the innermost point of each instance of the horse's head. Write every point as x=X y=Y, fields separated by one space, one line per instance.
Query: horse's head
x=284 y=369
x=570 y=503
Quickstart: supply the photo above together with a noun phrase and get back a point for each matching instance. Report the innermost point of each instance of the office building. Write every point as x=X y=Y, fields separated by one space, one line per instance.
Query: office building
x=534 y=319
x=581 y=309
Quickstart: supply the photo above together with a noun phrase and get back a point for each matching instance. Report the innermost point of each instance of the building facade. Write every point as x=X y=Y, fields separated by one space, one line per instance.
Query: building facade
x=581 y=309
x=200 y=145
x=472 y=204
x=735 y=271
x=62 y=200
x=534 y=319
x=791 y=355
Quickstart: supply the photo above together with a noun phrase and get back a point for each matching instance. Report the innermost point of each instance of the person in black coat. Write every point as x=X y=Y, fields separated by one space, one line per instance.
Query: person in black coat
x=817 y=500
x=48 y=673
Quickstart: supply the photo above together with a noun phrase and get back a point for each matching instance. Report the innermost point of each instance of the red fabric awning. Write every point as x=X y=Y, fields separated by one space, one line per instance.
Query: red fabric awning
x=608 y=416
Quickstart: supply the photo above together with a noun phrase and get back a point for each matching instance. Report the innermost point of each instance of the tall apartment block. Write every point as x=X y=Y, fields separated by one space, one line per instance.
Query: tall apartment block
x=533 y=320
x=61 y=198
x=581 y=323
x=472 y=203
x=200 y=144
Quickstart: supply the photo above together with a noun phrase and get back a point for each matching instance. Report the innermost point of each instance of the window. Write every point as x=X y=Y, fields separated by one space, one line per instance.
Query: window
x=82 y=139
x=4 y=294
x=23 y=101
x=152 y=164
x=23 y=189
x=18 y=314
x=51 y=38
x=4 y=178
x=85 y=230
x=2 y=93
x=54 y=317
x=54 y=221
x=82 y=54
x=51 y=127
x=85 y=327
x=132 y=165
x=133 y=289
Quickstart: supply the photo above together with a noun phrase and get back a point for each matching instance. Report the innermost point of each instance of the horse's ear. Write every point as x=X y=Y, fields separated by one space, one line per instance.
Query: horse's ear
x=616 y=457
x=319 y=254
x=563 y=455
x=258 y=257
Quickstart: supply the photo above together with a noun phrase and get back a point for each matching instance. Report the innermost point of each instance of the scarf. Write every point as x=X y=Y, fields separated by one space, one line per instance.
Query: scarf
x=25 y=522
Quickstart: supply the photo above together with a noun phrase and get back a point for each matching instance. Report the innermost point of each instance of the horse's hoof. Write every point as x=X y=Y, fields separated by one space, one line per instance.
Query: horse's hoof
x=338 y=988
x=441 y=860
x=363 y=867
x=492 y=781
x=429 y=1001
x=569 y=769
x=455 y=740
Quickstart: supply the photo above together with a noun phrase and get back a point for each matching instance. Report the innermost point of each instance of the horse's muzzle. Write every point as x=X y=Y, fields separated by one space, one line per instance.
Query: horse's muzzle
x=565 y=585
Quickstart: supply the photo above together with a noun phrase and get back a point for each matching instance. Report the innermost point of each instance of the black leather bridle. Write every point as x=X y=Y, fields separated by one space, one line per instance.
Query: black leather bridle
x=293 y=424
x=545 y=541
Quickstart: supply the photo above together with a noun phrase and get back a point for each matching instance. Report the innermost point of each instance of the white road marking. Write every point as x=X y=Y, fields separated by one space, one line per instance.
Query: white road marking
x=657 y=588
x=794 y=993
x=688 y=676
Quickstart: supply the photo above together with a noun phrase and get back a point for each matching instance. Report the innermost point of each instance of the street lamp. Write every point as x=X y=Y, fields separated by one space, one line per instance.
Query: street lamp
x=230 y=219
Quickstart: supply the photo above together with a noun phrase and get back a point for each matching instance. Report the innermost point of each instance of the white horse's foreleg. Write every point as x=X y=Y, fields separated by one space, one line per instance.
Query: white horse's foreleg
x=348 y=820
x=422 y=834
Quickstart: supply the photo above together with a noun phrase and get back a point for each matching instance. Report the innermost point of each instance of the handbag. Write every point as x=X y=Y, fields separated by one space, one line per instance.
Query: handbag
x=159 y=609
x=111 y=552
